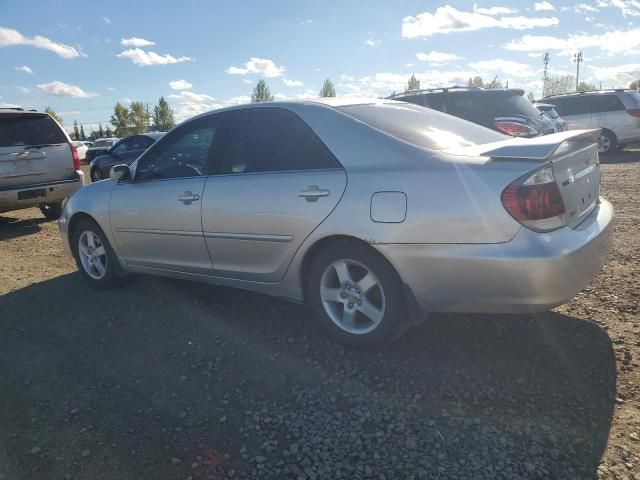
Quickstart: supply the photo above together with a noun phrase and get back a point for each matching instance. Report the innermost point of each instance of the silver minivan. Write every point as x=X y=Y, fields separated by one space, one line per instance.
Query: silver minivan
x=39 y=166
x=616 y=112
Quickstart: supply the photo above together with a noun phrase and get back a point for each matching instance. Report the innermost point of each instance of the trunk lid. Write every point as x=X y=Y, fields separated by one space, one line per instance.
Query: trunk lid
x=573 y=156
x=33 y=149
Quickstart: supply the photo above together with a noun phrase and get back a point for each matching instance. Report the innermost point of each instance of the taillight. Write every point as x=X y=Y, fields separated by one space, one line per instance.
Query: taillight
x=634 y=112
x=76 y=157
x=535 y=201
x=516 y=129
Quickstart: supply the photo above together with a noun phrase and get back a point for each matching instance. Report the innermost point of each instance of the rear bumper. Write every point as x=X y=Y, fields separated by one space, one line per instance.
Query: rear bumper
x=53 y=192
x=533 y=272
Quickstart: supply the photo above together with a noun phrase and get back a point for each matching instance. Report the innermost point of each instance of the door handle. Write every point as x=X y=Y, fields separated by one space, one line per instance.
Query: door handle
x=313 y=192
x=188 y=197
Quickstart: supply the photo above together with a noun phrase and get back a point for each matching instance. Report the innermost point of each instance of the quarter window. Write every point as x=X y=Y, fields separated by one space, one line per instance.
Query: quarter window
x=605 y=103
x=266 y=139
x=576 y=105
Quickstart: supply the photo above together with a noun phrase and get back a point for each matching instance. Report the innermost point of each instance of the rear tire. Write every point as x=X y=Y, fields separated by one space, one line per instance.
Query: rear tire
x=96 y=176
x=51 y=211
x=93 y=254
x=607 y=142
x=357 y=296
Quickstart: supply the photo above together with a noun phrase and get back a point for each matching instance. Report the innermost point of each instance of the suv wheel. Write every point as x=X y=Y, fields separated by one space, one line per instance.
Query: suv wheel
x=606 y=142
x=357 y=296
x=93 y=255
x=51 y=211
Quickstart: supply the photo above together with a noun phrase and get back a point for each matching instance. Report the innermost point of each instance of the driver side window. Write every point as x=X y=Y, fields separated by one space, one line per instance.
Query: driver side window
x=184 y=152
x=121 y=147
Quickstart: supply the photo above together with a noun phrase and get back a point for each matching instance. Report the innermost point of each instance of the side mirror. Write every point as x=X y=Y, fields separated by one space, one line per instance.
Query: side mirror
x=120 y=173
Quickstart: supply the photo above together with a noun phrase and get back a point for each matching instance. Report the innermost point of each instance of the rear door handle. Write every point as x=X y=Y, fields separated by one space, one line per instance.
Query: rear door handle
x=188 y=197
x=313 y=192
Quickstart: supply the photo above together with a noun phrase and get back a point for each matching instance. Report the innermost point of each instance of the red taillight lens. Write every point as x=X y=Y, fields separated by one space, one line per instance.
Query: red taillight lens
x=76 y=157
x=535 y=201
x=634 y=112
x=516 y=129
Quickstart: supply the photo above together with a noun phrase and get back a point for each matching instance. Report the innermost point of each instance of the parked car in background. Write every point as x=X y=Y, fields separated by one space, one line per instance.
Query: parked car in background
x=616 y=112
x=375 y=212
x=505 y=110
x=82 y=149
x=550 y=111
x=88 y=143
x=125 y=151
x=100 y=146
x=39 y=165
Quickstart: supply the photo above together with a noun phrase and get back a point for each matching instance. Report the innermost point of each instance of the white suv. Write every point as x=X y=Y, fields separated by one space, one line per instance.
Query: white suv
x=616 y=112
x=39 y=166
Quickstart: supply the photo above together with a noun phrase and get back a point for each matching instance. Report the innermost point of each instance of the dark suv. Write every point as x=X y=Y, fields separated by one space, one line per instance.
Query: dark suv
x=503 y=109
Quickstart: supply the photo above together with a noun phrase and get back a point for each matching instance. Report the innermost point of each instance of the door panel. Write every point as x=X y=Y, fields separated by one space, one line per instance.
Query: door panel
x=154 y=226
x=254 y=223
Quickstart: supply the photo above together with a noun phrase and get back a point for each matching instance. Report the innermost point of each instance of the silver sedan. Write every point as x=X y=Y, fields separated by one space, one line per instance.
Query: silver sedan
x=374 y=212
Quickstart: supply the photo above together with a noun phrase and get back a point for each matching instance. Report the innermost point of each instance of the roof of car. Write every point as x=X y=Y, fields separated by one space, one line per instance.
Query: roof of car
x=592 y=92
x=456 y=89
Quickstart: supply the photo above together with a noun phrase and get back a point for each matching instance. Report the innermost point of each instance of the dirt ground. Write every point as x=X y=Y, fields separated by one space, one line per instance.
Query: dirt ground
x=165 y=379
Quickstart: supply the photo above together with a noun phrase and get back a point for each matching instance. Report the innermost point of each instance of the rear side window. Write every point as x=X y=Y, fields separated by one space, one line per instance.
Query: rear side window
x=571 y=105
x=605 y=103
x=265 y=139
x=422 y=127
x=29 y=130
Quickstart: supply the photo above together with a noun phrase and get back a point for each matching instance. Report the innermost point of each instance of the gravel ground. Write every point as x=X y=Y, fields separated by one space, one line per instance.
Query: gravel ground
x=165 y=379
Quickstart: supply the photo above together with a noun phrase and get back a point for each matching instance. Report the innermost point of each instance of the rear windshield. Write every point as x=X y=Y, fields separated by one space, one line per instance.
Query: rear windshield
x=422 y=126
x=550 y=111
x=511 y=105
x=29 y=130
x=103 y=143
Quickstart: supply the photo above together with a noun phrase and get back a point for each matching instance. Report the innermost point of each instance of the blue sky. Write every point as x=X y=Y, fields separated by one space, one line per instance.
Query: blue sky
x=80 y=57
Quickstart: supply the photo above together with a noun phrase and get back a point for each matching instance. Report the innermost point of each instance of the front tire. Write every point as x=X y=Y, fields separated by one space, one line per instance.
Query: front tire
x=607 y=142
x=93 y=254
x=357 y=295
x=51 y=211
x=96 y=175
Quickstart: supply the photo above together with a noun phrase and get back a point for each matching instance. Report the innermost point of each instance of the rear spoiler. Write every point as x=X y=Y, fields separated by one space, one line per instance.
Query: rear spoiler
x=537 y=148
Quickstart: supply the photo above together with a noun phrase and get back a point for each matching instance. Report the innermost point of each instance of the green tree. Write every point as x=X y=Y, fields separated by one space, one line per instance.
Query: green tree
x=82 y=135
x=76 y=132
x=261 y=93
x=120 y=120
x=412 y=84
x=635 y=85
x=585 y=87
x=53 y=114
x=107 y=132
x=327 y=89
x=138 y=118
x=100 y=131
x=163 y=116
x=478 y=82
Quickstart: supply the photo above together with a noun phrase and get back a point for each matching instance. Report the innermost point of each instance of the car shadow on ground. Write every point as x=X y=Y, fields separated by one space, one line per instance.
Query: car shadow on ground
x=621 y=156
x=11 y=227
x=106 y=384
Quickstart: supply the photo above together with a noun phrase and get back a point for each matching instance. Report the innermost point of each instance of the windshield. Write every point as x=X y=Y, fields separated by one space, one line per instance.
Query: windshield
x=421 y=126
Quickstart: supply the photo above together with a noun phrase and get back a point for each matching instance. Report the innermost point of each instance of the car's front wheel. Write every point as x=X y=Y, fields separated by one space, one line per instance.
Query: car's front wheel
x=51 y=211
x=96 y=175
x=606 y=142
x=357 y=295
x=93 y=254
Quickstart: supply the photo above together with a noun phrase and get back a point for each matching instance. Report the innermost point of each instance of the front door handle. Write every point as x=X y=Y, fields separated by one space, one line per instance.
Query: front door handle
x=313 y=192
x=188 y=197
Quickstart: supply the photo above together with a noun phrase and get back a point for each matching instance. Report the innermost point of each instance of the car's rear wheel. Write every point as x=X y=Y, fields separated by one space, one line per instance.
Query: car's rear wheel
x=357 y=295
x=606 y=142
x=93 y=254
x=51 y=211
x=96 y=175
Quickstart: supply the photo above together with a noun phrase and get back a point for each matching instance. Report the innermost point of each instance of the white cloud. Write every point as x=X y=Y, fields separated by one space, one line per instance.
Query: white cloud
x=65 y=90
x=502 y=68
x=409 y=65
x=583 y=7
x=188 y=104
x=494 y=10
x=180 y=85
x=629 y=8
x=24 y=69
x=10 y=37
x=308 y=21
x=372 y=42
x=436 y=57
x=136 y=42
x=70 y=112
x=292 y=83
x=23 y=90
x=107 y=20
x=8 y=105
x=145 y=58
x=543 y=6
x=111 y=89
x=262 y=66
x=611 y=42
x=449 y=19
x=247 y=81
x=346 y=78
x=620 y=74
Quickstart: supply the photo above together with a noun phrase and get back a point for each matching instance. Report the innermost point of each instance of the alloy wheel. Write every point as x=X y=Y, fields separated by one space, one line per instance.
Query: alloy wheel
x=93 y=255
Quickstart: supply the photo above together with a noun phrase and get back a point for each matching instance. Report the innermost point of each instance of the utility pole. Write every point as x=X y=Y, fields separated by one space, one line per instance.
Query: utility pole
x=577 y=58
x=545 y=76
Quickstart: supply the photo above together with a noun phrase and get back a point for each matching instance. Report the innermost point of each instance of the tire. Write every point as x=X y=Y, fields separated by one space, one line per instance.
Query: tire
x=51 y=211
x=102 y=271
x=339 y=304
x=606 y=142
x=96 y=175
